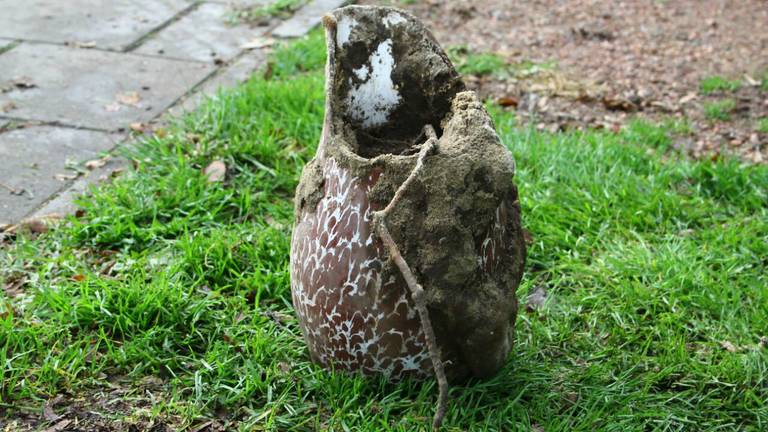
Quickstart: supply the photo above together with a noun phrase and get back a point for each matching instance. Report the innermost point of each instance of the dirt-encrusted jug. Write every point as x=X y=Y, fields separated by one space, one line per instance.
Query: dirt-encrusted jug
x=450 y=211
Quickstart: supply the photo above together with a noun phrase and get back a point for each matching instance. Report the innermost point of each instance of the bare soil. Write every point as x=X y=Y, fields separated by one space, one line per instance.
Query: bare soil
x=619 y=60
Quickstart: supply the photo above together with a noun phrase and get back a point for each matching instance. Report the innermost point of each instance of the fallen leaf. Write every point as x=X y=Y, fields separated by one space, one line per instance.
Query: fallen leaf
x=65 y=177
x=201 y=426
x=12 y=190
x=728 y=346
x=273 y=223
x=58 y=427
x=751 y=81
x=13 y=286
x=507 y=101
x=35 y=226
x=78 y=277
x=618 y=103
x=84 y=45
x=536 y=299
x=8 y=107
x=215 y=171
x=689 y=97
x=284 y=367
x=138 y=127
x=259 y=42
x=528 y=237
x=23 y=83
x=48 y=413
x=131 y=98
x=96 y=163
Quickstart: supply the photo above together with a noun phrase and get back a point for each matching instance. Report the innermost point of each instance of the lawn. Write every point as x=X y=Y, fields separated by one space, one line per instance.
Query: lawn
x=174 y=291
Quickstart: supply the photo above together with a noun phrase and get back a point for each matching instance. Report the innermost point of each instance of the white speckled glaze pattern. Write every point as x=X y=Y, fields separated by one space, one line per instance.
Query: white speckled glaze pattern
x=351 y=318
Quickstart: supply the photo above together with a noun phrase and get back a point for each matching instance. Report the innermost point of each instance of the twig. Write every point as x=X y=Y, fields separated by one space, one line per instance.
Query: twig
x=417 y=292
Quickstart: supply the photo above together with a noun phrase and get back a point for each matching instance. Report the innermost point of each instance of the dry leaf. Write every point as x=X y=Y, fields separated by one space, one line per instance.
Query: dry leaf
x=751 y=81
x=131 y=98
x=35 y=226
x=687 y=98
x=96 y=163
x=58 y=427
x=215 y=171
x=85 y=45
x=137 y=127
x=78 y=277
x=8 y=107
x=507 y=101
x=536 y=299
x=48 y=413
x=23 y=83
x=284 y=367
x=728 y=346
x=528 y=237
x=13 y=286
x=201 y=426
x=259 y=42
x=65 y=177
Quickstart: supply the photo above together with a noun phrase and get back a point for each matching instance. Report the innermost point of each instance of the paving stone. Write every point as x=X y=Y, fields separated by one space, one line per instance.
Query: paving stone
x=202 y=35
x=112 y=24
x=244 y=3
x=33 y=156
x=63 y=203
x=239 y=71
x=306 y=18
x=90 y=88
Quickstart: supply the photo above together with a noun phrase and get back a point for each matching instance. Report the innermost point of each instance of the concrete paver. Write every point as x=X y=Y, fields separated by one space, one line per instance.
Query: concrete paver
x=33 y=156
x=306 y=18
x=64 y=202
x=202 y=35
x=69 y=97
x=112 y=24
x=90 y=88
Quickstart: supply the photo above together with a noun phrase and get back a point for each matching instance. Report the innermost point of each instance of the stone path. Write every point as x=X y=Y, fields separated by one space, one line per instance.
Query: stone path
x=75 y=74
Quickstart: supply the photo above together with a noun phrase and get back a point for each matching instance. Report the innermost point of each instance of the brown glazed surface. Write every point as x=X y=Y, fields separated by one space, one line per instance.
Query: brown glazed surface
x=352 y=319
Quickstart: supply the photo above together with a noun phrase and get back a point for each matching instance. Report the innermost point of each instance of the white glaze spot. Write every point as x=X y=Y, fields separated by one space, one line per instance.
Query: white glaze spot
x=372 y=101
x=393 y=18
x=344 y=29
x=362 y=72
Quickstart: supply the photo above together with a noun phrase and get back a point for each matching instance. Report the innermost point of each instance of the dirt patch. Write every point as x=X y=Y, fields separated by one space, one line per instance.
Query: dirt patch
x=616 y=61
x=116 y=406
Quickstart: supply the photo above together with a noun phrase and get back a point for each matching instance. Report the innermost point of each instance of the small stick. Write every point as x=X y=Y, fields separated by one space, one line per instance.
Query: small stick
x=417 y=292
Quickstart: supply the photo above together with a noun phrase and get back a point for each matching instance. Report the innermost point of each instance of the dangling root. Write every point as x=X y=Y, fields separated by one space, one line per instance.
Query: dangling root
x=417 y=292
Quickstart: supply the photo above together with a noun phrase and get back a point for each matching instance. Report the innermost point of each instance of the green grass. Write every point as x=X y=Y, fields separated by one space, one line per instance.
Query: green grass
x=651 y=264
x=719 y=110
x=762 y=125
x=471 y=63
x=714 y=84
x=272 y=8
x=468 y=62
